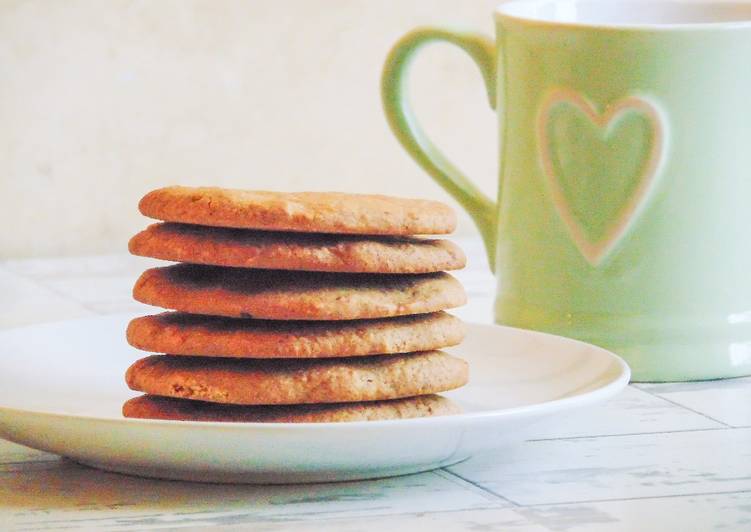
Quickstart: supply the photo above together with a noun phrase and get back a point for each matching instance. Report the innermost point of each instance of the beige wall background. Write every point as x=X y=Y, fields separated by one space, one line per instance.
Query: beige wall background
x=101 y=101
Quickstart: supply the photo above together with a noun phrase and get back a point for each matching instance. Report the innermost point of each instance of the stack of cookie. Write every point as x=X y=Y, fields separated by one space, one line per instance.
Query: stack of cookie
x=299 y=307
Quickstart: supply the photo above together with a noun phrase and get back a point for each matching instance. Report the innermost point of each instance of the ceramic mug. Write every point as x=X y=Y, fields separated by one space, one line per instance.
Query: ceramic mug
x=625 y=175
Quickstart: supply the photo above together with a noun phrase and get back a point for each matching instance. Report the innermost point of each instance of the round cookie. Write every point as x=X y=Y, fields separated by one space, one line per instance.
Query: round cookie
x=296 y=251
x=287 y=295
x=177 y=333
x=307 y=212
x=155 y=407
x=297 y=381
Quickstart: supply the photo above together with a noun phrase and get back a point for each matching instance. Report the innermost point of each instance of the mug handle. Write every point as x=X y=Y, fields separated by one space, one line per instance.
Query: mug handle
x=411 y=136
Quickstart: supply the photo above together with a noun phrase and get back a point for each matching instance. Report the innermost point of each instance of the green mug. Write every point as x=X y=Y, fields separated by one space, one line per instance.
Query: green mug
x=625 y=175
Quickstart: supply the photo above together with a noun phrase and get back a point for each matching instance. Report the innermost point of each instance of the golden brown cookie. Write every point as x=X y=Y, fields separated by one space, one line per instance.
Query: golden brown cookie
x=297 y=381
x=306 y=212
x=286 y=295
x=296 y=251
x=177 y=333
x=155 y=407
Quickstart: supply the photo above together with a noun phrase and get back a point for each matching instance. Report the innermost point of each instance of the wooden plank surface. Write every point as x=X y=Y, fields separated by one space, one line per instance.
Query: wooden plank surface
x=657 y=457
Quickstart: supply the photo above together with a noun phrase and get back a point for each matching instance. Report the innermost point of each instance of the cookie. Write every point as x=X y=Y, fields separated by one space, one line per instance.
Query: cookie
x=307 y=212
x=155 y=407
x=177 y=333
x=297 y=381
x=296 y=251
x=286 y=295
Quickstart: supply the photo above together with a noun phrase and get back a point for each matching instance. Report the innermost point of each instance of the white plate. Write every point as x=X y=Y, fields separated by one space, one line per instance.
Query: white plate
x=61 y=390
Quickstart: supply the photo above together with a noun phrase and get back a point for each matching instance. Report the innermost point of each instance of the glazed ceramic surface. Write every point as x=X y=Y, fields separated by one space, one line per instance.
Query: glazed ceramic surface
x=62 y=389
x=625 y=174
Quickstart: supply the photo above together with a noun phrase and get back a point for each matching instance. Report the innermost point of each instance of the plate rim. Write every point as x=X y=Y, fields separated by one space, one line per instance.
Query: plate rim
x=541 y=408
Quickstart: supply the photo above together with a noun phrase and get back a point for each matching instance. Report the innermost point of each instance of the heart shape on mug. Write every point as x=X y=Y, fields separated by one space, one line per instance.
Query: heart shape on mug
x=600 y=167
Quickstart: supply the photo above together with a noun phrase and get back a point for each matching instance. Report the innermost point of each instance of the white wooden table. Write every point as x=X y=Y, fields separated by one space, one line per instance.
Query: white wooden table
x=658 y=457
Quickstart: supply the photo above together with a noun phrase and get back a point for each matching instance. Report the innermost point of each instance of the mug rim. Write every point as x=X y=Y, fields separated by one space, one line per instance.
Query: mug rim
x=504 y=11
